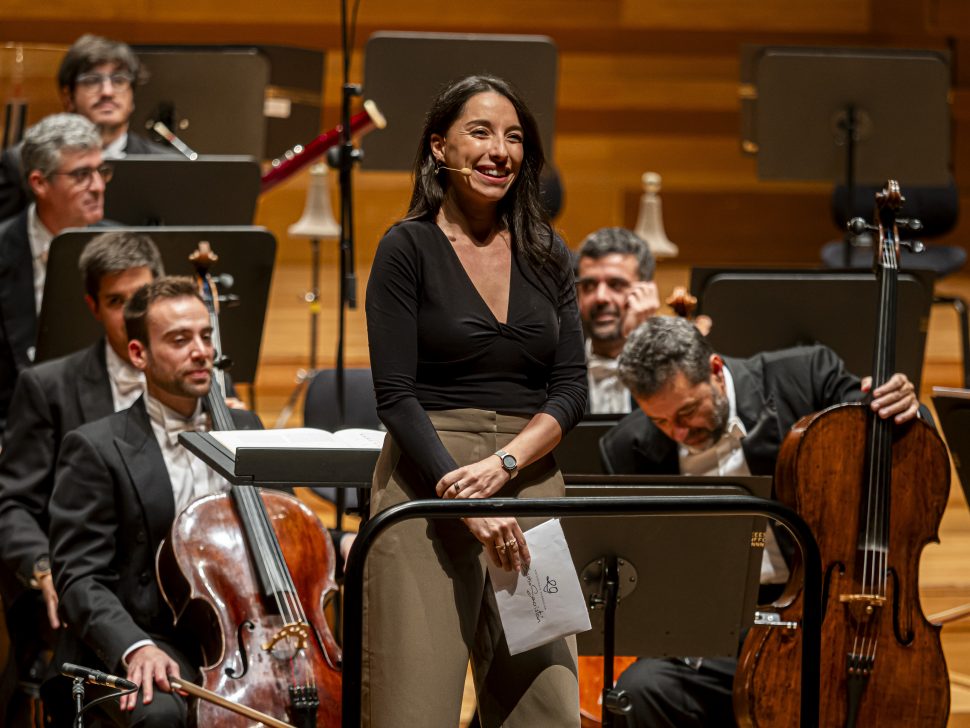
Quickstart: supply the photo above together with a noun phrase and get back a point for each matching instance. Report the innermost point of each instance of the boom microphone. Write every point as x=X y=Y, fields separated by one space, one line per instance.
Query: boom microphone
x=97 y=677
x=464 y=170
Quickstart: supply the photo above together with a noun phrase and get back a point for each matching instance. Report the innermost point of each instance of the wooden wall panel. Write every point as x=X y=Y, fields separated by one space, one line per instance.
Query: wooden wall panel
x=644 y=85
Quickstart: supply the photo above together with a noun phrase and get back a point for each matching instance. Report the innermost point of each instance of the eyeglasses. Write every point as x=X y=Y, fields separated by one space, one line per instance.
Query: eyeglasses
x=83 y=176
x=119 y=80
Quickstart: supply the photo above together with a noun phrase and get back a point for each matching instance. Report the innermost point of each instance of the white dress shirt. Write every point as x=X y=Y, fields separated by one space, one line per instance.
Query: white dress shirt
x=116 y=149
x=40 y=243
x=726 y=458
x=607 y=395
x=127 y=382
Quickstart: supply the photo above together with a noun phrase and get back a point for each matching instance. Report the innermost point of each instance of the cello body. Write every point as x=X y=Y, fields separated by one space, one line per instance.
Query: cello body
x=208 y=578
x=820 y=473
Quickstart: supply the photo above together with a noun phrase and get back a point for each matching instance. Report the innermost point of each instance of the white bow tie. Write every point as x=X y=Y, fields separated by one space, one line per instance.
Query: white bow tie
x=174 y=427
x=601 y=367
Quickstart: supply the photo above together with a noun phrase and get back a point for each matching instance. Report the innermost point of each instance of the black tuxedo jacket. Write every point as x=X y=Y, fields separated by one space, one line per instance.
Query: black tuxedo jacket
x=773 y=391
x=50 y=400
x=18 y=310
x=112 y=505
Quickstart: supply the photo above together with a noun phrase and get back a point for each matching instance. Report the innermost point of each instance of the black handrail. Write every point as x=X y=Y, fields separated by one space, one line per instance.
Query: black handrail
x=699 y=505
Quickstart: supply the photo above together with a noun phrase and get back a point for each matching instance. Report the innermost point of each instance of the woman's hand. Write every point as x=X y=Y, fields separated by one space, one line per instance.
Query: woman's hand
x=478 y=480
x=503 y=541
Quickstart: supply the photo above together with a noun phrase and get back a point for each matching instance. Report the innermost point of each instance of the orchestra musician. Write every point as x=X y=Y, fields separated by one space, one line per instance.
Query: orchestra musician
x=96 y=79
x=704 y=414
x=51 y=399
x=477 y=354
x=65 y=171
x=120 y=482
x=616 y=293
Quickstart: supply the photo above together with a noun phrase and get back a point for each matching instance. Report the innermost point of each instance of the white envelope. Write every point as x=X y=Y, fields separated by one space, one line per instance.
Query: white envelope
x=546 y=602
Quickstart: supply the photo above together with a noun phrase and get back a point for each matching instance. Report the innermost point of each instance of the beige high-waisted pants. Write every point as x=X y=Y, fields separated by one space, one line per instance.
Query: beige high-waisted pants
x=428 y=604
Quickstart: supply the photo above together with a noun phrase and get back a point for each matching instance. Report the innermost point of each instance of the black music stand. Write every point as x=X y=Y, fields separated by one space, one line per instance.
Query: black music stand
x=283 y=468
x=579 y=451
x=405 y=71
x=626 y=564
x=156 y=190
x=245 y=253
x=846 y=114
x=756 y=310
x=953 y=411
x=256 y=100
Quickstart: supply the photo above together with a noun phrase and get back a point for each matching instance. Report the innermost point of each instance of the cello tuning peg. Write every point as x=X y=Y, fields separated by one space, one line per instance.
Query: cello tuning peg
x=914 y=246
x=858 y=226
x=909 y=223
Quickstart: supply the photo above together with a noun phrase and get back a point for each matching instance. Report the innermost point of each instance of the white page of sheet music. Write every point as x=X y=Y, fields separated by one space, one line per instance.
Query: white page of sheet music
x=301 y=437
x=546 y=602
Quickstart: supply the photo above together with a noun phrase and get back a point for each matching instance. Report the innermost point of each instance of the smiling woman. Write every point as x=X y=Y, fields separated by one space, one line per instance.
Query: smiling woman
x=479 y=369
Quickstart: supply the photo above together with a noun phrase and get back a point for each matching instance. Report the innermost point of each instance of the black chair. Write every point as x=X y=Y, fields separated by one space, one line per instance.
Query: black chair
x=360 y=410
x=937 y=208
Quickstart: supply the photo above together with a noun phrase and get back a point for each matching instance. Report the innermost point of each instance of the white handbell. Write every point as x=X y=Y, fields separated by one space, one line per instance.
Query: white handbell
x=650 y=224
x=317 y=220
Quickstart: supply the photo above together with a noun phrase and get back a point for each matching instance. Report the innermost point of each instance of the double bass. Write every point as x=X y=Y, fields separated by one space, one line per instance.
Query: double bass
x=248 y=573
x=873 y=493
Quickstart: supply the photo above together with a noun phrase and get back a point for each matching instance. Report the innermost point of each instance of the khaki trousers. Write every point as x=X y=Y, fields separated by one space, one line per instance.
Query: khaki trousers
x=428 y=604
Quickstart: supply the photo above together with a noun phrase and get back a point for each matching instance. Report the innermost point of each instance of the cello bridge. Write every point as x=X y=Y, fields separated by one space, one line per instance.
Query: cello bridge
x=298 y=631
x=863 y=607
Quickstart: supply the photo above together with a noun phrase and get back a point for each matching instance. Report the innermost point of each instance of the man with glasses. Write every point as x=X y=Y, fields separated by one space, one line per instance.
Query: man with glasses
x=96 y=80
x=67 y=176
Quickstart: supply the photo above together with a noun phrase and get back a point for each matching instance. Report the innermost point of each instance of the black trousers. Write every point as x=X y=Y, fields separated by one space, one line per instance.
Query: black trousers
x=670 y=693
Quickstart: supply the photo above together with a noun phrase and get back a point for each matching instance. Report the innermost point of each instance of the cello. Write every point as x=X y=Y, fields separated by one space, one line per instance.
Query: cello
x=873 y=493
x=248 y=573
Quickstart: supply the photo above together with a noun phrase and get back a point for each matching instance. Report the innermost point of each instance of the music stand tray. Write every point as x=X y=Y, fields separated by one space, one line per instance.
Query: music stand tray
x=756 y=310
x=157 y=190
x=246 y=253
x=284 y=467
x=715 y=562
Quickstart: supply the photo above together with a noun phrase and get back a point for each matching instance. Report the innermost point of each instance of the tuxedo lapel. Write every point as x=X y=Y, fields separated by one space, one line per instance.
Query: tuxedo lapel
x=759 y=415
x=94 y=392
x=18 y=307
x=146 y=468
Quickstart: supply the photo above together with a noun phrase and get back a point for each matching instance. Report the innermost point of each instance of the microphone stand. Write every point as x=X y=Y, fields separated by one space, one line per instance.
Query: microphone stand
x=347 y=156
x=78 y=693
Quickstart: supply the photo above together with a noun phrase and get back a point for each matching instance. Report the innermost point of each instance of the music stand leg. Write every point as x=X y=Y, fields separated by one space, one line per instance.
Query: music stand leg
x=614 y=701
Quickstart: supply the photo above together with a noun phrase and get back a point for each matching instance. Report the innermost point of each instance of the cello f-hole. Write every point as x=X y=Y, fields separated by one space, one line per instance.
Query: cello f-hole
x=242 y=651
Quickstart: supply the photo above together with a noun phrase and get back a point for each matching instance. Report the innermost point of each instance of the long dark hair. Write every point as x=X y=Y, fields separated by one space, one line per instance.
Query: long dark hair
x=520 y=210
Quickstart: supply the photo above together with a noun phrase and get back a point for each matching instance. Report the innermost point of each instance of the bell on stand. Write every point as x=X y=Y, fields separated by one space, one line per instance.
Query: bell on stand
x=650 y=223
x=317 y=223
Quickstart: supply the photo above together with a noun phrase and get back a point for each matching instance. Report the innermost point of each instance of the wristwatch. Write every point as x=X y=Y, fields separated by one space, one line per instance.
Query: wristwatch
x=509 y=463
x=42 y=568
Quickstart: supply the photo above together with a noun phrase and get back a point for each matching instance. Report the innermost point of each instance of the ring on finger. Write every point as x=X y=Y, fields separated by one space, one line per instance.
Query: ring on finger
x=457 y=486
x=501 y=548
x=512 y=544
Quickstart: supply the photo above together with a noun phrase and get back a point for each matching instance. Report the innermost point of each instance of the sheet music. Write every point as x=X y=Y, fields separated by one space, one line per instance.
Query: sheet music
x=301 y=437
x=546 y=602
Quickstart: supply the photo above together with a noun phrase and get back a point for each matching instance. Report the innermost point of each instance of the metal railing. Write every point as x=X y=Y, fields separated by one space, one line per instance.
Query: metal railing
x=700 y=505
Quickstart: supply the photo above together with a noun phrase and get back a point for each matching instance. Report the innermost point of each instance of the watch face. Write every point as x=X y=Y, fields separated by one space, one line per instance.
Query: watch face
x=509 y=462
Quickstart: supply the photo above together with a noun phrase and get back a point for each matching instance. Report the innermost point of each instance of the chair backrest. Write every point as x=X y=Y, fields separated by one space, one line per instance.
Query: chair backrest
x=360 y=404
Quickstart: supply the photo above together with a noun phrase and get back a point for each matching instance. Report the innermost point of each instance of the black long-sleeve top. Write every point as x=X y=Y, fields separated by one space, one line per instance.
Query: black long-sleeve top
x=435 y=344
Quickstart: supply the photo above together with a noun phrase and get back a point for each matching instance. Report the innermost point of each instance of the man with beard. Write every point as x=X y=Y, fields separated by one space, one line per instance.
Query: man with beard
x=96 y=79
x=65 y=171
x=704 y=414
x=120 y=482
x=616 y=293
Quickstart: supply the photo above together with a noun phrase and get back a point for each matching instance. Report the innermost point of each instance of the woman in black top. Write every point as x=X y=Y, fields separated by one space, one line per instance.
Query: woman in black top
x=479 y=370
